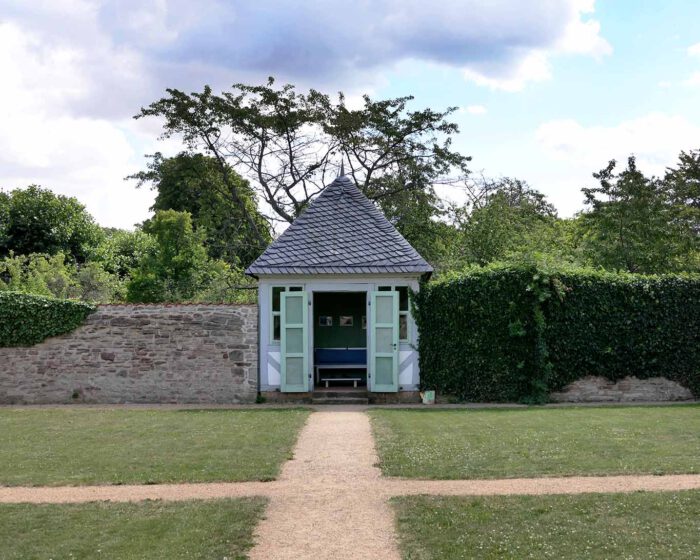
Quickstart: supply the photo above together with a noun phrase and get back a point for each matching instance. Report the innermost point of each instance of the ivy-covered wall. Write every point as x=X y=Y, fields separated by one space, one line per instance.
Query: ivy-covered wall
x=618 y=325
x=516 y=333
x=26 y=319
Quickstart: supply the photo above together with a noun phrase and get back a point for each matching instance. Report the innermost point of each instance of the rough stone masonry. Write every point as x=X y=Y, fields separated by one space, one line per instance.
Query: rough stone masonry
x=141 y=354
x=630 y=389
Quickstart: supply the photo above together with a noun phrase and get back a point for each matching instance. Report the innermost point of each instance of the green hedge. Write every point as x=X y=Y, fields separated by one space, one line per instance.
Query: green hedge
x=515 y=333
x=618 y=325
x=26 y=319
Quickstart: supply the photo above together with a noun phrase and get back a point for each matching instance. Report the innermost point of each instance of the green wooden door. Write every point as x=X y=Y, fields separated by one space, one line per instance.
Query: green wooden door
x=294 y=341
x=384 y=342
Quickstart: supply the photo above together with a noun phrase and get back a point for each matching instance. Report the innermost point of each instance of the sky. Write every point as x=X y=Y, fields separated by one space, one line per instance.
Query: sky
x=548 y=90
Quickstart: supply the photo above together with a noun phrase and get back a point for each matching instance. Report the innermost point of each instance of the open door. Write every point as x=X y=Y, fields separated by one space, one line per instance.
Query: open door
x=294 y=342
x=384 y=342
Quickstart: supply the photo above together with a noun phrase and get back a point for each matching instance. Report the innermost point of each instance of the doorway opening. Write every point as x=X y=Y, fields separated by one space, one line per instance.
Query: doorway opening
x=340 y=340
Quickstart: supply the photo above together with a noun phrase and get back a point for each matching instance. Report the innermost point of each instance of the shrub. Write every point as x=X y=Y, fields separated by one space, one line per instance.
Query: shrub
x=517 y=332
x=54 y=276
x=26 y=320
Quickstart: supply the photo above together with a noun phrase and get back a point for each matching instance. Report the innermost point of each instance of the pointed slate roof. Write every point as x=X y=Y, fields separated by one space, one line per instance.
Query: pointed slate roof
x=341 y=232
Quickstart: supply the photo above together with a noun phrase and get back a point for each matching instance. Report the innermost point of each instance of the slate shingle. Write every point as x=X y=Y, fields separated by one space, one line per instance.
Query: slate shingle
x=341 y=232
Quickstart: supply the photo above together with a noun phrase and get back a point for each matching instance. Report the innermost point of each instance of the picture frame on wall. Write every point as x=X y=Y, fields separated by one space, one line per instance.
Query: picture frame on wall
x=325 y=321
x=345 y=321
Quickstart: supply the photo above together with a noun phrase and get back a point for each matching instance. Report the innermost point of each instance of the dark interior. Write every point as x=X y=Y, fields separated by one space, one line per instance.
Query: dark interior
x=340 y=339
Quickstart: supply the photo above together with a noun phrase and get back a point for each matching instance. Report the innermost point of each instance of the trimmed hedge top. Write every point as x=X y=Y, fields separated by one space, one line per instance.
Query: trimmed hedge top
x=516 y=333
x=27 y=319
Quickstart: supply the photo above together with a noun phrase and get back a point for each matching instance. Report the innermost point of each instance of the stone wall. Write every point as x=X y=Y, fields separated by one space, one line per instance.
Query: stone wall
x=141 y=354
x=629 y=389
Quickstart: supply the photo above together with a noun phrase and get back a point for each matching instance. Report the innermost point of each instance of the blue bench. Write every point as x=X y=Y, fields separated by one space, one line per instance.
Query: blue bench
x=338 y=359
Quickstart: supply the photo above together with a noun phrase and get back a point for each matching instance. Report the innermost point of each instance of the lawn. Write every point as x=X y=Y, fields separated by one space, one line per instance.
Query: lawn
x=146 y=530
x=508 y=443
x=645 y=525
x=125 y=446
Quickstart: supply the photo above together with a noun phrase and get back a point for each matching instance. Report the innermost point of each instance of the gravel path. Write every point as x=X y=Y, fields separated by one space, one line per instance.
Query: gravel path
x=132 y=493
x=326 y=510
x=538 y=486
x=387 y=488
x=330 y=500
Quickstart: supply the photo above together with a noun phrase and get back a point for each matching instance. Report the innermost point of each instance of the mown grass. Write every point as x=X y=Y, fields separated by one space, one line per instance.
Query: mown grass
x=508 y=443
x=74 y=446
x=592 y=526
x=146 y=530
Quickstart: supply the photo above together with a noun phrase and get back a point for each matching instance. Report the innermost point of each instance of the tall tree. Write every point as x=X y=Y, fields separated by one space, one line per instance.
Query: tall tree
x=502 y=218
x=683 y=184
x=39 y=221
x=289 y=144
x=4 y=219
x=480 y=190
x=420 y=216
x=194 y=183
x=629 y=222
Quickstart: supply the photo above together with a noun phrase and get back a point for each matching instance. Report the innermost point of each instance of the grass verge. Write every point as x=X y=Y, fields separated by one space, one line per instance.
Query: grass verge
x=74 y=446
x=645 y=525
x=153 y=530
x=533 y=442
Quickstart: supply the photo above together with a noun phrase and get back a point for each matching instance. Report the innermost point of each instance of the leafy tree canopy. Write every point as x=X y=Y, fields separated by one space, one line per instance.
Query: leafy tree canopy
x=288 y=145
x=39 y=221
x=4 y=219
x=683 y=184
x=174 y=268
x=481 y=190
x=59 y=277
x=121 y=251
x=502 y=218
x=630 y=223
x=177 y=267
x=194 y=183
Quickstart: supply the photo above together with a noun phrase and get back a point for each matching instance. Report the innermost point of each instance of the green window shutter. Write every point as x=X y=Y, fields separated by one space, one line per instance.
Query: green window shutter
x=294 y=343
x=384 y=342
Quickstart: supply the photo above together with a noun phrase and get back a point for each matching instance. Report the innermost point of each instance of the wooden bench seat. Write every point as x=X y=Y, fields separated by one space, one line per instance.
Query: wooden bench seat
x=339 y=359
x=354 y=380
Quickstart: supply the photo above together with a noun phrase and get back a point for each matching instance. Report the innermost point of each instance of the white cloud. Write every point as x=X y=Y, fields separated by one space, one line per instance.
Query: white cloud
x=27 y=67
x=656 y=139
x=583 y=36
x=534 y=67
x=474 y=109
x=578 y=36
x=693 y=80
x=75 y=71
x=501 y=44
x=694 y=50
x=42 y=143
x=560 y=156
